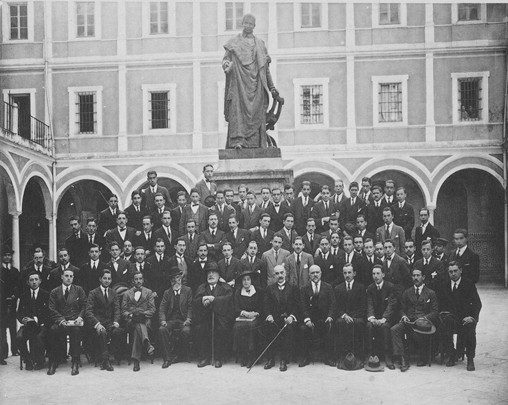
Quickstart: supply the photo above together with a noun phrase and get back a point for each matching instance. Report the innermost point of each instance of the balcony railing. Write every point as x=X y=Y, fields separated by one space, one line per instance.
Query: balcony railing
x=15 y=122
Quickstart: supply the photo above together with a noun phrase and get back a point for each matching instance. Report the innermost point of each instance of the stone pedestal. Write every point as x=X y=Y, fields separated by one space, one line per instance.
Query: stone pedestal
x=255 y=168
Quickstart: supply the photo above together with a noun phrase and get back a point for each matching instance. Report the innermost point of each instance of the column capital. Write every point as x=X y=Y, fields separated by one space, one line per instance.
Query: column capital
x=15 y=214
x=431 y=206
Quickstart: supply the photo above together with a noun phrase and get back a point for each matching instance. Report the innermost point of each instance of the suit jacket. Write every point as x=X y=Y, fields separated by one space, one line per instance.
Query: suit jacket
x=239 y=207
x=159 y=274
x=384 y=305
x=397 y=274
x=434 y=272
x=176 y=215
x=367 y=198
x=240 y=243
x=264 y=244
x=157 y=216
x=91 y=278
x=55 y=276
x=231 y=272
x=352 y=303
x=269 y=263
x=308 y=246
x=470 y=262
x=201 y=218
x=169 y=241
x=203 y=189
x=319 y=212
x=298 y=275
x=464 y=302
x=123 y=274
x=106 y=221
x=277 y=218
x=283 y=302
x=338 y=198
x=423 y=306
x=223 y=217
x=375 y=216
x=349 y=212
x=141 y=240
x=256 y=267
x=191 y=247
x=331 y=268
x=173 y=262
x=197 y=275
x=397 y=236
x=61 y=309
x=287 y=242
x=148 y=198
x=251 y=219
x=135 y=218
x=143 y=309
x=99 y=311
x=302 y=214
x=430 y=232
x=405 y=218
x=365 y=235
x=77 y=247
x=44 y=274
x=360 y=266
x=222 y=306
x=215 y=252
x=39 y=308
x=168 y=302
x=114 y=235
x=320 y=306
x=150 y=280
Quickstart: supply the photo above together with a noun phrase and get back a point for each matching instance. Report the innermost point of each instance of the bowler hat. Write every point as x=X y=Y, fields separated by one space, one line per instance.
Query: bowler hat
x=423 y=326
x=373 y=364
x=174 y=271
x=211 y=266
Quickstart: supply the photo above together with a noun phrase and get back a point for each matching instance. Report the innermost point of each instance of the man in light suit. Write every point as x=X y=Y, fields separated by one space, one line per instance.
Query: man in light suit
x=107 y=217
x=196 y=211
x=391 y=231
x=148 y=194
x=298 y=264
x=252 y=213
x=271 y=258
x=396 y=269
x=206 y=186
x=287 y=232
x=426 y=230
x=138 y=308
x=121 y=232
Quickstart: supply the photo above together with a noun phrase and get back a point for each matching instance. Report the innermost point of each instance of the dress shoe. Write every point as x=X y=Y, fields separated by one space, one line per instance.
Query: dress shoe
x=304 y=362
x=107 y=366
x=203 y=363
x=75 y=368
x=166 y=364
x=136 y=366
x=51 y=369
x=283 y=366
x=218 y=364
x=404 y=364
x=29 y=366
x=451 y=362
x=470 y=365
x=3 y=362
x=269 y=364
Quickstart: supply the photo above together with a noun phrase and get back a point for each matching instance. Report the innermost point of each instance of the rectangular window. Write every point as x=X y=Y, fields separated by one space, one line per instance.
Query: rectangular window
x=311 y=103
x=85 y=19
x=158 y=17
x=389 y=13
x=19 y=21
x=469 y=12
x=311 y=15
x=390 y=102
x=470 y=100
x=86 y=112
x=159 y=109
x=311 y=109
x=234 y=14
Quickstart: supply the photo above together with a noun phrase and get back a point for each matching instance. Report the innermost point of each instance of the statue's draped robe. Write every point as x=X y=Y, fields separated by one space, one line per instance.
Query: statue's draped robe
x=246 y=99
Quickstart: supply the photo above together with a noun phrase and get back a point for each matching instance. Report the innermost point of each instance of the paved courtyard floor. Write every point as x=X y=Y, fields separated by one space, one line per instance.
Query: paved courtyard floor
x=185 y=383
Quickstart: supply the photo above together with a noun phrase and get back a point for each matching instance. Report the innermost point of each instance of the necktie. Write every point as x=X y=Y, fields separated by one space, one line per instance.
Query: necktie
x=94 y=267
x=38 y=268
x=276 y=256
x=326 y=207
x=251 y=260
x=66 y=295
x=387 y=232
x=316 y=292
x=137 y=209
x=353 y=200
x=311 y=240
x=379 y=287
x=298 y=262
x=91 y=241
x=227 y=263
x=305 y=202
x=348 y=286
x=106 y=295
x=33 y=296
x=425 y=262
x=190 y=238
x=213 y=233
x=454 y=287
x=417 y=292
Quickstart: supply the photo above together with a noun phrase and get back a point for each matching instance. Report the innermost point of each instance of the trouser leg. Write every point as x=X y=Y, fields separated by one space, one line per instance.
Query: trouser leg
x=469 y=339
x=75 y=336
x=165 y=336
x=397 y=332
x=21 y=339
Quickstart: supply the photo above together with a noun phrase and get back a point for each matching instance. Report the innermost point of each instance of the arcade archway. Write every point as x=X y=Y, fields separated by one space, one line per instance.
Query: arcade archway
x=316 y=181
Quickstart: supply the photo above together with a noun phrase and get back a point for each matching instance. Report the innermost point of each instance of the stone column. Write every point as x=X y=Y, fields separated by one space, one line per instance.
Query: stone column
x=52 y=236
x=431 y=207
x=15 y=237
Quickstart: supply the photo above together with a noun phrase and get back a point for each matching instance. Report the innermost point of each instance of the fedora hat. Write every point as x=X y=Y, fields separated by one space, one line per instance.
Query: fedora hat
x=350 y=362
x=211 y=266
x=423 y=326
x=174 y=271
x=373 y=364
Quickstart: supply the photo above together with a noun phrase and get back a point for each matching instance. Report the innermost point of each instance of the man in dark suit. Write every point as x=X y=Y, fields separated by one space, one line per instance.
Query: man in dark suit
x=253 y=263
x=348 y=255
x=76 y=243
x=148 y=194
x=33 y=315
x=196 y=211
x=389 y=192
x=229 y=266
x=318 y=310
x=338 y=195
x=121 y=270
x=391 y=231
x=206 y=186
x=176 y=213
x=181 y=261
x=197 y=272
x=128 y=251
x=166 y=233
x=361 y=227
x=159 y=269
x=350 y=208
x=223 y=211
x=323 y=211
x=9 y=293
x=238 y=238
x=213 y=237
x=141 y=265
x=460 y=307
x=302 y=209
x=404 y=214
x=213 y=315
x=298 y=265
x=350 y=316
x=365 y=193
x=95 y=238
x=241 y=204
x=410 y=255
x=277 y=210
x=107 y=217
x=147 y=236
x=138 y=308
x=310 y=238
x=374 y=210
x=175 y=318
x=281 y=307
x=37 y=264
x=136 y=211
x=469 y=260
x=440 y=251
x=287 y=233
x=160 y=208
x=103 y=316
x=252 y=213
x=121 y=232
x=417 y=302
x=91 y=270
x=433 y=269
x=263 y=235
x=369 y=256
x=330 y=265
x=289 y=197
x=381 y=312
x=55 y=276
x=265 y=199
x=67 y=309
x=425 y=230
x=191 y=239
x=396 y=269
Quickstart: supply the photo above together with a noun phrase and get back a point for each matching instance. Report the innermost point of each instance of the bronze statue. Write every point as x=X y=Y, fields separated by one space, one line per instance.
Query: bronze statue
x=248 y=85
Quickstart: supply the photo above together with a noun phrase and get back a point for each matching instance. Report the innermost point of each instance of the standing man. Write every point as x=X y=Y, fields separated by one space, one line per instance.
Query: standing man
x=276 y=256
x=136 y=212
x=159 y=269
x=238 y=238
x=263 y=235
x=289 y=197
x=148 y=194
x=165 y=232
x=181 y=261
x=391 y=231
x=176 y=213
x=396 y=269
x=107 y=217
x=195 y=211
x=92 y=236
x=323 y=211
x=375 y=210
x=329 y=263
x=121 y=232
x=253 y=263
x=213 y=237
x=339 y=195
x=191 y=240
x=229 y=267
x=76 y=243
x=287 y=232
x=103 y=316
x=410 y=253
x=469 y=261
x=92 y=269
x=350 y=208
x=9 y=293
x=298 y=265
x=440 y=251
x=55 y=276
x=41 y=266
x=147 y=236
x=365 y=193
x=67 y=311
x=251 y=213
x=302 y=208
x=121 y=270
x=33 y=315
x=206 y=186
x=159 y=209
x=223 y=211
x=265 y=199
x=433 y=269
x=389 y=191
x=310 y=238
x=277 y=210
x=361 y=227
x=425 y=230
x=197 y=273
x=404 y=214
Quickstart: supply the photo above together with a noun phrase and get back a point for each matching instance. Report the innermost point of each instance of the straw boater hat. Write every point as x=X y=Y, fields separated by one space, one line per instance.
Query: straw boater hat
x=373 y=364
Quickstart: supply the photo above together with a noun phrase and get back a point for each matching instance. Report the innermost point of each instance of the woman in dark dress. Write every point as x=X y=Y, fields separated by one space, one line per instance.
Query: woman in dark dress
x=247 y=305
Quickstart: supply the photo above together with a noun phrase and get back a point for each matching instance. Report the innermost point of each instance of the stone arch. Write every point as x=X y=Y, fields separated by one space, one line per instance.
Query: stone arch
x=46 y=189
x=13 y=197
x=317 y=179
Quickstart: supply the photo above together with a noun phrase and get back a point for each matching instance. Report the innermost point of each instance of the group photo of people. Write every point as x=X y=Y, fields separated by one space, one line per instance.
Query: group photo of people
x=354 y=277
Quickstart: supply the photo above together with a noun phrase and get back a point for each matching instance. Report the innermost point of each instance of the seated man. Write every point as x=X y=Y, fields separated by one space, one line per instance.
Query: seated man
x=138 y=308
x=175 y=316
x=282 y=304
x=103 y=314
x=417 y=302
x=460 y=307
x=381 y=307
x=67 y=309
x=213 y=303
x=33 y=315
x=318 y=306
x=350 y=298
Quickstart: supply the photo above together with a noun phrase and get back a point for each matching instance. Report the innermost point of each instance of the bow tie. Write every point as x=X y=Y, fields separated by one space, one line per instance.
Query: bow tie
x=136 y=289
x=207 y=181
x=195 y=205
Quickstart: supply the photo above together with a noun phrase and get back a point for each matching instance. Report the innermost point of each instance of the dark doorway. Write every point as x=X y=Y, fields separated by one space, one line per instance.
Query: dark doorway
x=23 y=103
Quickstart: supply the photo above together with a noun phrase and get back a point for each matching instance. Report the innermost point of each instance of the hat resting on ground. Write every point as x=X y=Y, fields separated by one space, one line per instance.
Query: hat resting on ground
x=373 y=364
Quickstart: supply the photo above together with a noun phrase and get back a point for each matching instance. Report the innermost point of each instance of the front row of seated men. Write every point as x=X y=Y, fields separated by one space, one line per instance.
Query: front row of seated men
x=350 y=323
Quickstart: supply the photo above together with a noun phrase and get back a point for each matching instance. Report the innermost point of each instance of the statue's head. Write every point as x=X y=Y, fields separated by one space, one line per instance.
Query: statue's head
x=248 y=23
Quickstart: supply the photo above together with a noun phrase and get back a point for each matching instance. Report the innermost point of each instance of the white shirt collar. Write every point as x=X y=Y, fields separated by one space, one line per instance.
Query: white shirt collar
x=64 y=287
x=350 y=283
x=462 y=249
x=92 y=262
x=102 y=289
x=36 y=291
x=419 y=288
x=456 y=282
x=251 y=292
x=424 y=227
x=380 y=285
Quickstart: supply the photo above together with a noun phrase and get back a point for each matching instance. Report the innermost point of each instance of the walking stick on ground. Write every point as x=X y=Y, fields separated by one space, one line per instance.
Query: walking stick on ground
x=213 y=336
x=267 y=347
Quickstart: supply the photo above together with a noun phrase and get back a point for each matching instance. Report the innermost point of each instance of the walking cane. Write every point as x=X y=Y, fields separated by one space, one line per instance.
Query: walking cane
x=267 y=347
x=213 y=335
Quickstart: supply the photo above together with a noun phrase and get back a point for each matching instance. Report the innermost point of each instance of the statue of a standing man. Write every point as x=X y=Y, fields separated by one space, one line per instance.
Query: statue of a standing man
x=248 y=85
